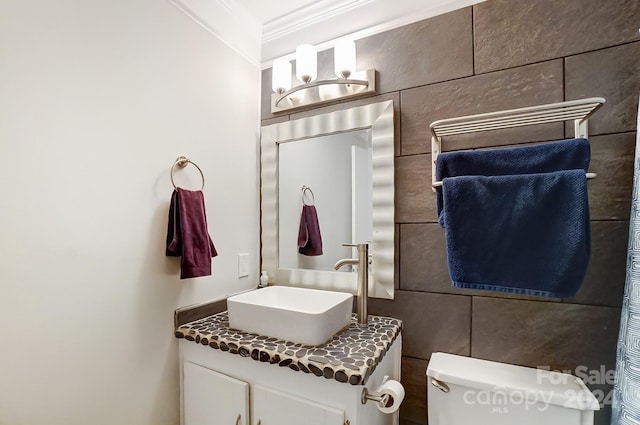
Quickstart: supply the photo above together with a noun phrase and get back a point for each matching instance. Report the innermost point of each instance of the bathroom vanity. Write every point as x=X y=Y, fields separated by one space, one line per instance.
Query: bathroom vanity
x=232 y=377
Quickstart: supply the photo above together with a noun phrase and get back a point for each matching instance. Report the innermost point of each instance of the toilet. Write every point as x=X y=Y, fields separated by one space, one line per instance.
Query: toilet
x=464 y=391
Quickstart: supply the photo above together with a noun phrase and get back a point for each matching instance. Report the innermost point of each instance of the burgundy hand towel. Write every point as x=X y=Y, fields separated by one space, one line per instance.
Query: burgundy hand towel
x=187 y=234
x=309 y=239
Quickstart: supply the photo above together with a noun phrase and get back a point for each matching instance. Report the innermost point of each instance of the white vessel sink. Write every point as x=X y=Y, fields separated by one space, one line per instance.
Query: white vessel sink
x=306 y=316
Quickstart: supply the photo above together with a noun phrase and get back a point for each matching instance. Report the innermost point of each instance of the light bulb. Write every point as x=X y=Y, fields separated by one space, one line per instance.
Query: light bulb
x=306 y=63
x=281 y=76
x=344 y=58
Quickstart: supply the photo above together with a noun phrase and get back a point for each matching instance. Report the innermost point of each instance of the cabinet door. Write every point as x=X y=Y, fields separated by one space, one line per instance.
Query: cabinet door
x=211 y=398
x=271 y=407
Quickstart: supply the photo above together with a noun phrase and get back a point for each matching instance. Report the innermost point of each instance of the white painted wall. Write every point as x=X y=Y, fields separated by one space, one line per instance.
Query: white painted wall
x=97 y=99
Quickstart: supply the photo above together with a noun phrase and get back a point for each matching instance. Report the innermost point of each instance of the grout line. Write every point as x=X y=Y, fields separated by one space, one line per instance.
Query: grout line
x=399 y=124
x=612 y=220
x=602 y=48
x=489 y=296
x=564 y=93
x=560 y=57
x=398 y=260
x=415 y=358
x=471 y=329
x=473 y=40
x=474 y=73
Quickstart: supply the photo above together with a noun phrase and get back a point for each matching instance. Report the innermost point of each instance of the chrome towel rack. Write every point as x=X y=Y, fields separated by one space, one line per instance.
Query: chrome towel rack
x=306 y=189
x=183 y=161
x=577 y=111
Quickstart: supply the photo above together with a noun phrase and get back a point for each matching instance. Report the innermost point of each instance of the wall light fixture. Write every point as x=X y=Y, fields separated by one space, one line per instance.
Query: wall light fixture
x=349 y=82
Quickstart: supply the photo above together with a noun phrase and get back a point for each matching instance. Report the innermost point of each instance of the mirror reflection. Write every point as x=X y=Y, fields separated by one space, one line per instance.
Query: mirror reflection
x=329 y=177
x=345 y=158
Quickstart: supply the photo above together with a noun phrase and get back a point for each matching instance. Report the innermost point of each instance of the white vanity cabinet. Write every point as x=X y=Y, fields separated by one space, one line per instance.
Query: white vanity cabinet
x=211 y=398
x=271 y=407
x=219 y=388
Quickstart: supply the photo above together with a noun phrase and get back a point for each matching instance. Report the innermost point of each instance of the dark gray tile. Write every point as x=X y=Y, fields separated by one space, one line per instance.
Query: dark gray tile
x=423 y=259
x=512 y=33
x=613 y=74
x=190 y=313
x=423 y=263
x=556 y=335
x=396 y=262
x=415 y=201
x=612 y=159
x=432 y=322
x=436 y=49
x=603 y=416
x=414 y=380
x=515 y=88
x=578 y=339
x=604 y=282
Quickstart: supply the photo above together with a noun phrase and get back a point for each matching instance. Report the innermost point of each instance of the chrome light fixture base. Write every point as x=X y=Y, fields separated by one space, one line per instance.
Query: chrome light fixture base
x=323 y=91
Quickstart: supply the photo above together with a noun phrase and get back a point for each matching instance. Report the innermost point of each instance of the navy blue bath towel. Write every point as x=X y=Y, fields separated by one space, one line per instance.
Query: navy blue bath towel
x=525 y=234
x=548 y=157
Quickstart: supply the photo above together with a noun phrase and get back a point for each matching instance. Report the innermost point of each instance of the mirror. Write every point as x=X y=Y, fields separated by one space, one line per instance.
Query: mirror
x=341 y=197
x=345 y=159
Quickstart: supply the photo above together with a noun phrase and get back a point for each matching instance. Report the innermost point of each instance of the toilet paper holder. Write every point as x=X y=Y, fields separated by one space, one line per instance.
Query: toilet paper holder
x=381 y=399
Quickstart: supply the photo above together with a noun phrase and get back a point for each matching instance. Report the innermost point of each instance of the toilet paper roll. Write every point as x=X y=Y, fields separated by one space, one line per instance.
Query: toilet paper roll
x=394 y=392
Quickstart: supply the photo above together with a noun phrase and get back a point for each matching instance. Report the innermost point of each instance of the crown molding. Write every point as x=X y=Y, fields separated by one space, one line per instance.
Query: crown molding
x=354 y=19
x=229 y=22
x=307 y=16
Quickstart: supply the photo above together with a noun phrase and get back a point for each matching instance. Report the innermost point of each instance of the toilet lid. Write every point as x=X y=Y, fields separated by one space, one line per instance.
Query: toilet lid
x=557 y=388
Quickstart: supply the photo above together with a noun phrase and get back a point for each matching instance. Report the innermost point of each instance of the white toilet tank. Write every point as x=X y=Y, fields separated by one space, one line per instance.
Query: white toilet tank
x=465 y=391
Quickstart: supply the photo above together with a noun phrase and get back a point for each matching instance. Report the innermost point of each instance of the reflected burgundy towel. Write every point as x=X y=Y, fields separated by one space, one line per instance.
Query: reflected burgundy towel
x=309 y=239
x=187 y=234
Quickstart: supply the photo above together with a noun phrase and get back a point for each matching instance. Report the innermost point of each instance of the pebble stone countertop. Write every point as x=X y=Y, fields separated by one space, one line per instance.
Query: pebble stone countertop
x=351 y=356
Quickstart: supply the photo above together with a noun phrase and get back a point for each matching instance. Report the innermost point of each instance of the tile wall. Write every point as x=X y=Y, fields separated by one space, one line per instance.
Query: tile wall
x=503 y=54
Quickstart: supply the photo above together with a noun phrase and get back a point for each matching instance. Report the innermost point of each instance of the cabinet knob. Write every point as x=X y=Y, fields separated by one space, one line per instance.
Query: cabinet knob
x=238 y=419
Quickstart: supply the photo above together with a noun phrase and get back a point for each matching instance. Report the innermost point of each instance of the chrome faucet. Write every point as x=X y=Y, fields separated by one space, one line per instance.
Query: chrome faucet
x=363 y=278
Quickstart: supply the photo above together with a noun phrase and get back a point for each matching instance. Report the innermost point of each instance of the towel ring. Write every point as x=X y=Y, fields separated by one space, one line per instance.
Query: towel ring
x=304 y=191
x=183 y=161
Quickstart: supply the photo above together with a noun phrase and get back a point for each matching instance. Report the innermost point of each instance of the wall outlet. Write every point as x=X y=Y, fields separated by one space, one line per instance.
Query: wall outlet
x=243 y=265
